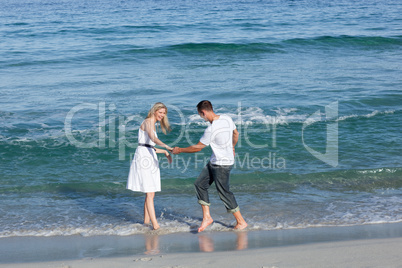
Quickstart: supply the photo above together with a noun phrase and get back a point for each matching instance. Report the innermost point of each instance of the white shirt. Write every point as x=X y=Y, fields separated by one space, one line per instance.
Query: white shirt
x=219 y=135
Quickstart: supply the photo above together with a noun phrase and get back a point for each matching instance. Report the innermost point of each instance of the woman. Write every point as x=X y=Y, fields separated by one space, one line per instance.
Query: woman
x=144 y=175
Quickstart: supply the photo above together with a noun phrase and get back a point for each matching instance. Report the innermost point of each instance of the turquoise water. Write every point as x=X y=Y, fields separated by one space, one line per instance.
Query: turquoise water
x=313 y=86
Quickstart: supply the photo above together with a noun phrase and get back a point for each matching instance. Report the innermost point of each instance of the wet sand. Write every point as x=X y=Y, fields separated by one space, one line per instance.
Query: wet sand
x=356 y=246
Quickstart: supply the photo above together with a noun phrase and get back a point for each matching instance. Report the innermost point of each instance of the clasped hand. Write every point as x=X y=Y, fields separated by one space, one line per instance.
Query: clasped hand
x=176 y=150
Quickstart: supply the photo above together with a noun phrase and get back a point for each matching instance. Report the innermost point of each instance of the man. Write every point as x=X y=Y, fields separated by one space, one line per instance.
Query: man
x=222 y=136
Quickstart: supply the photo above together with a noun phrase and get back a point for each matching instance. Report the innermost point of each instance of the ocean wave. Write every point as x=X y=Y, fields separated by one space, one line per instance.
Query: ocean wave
x=247 y=48
x=48 y=133
x=136 y=53
x=370 y=115
x=245 y=182
x=179 y=226
x=368 y=42
x=96 y=230
x=340 y=180
x=257 y=116
x=337 y=198
x=371 y=42
x=335 y=213
x=254 y=116
x=227 y=47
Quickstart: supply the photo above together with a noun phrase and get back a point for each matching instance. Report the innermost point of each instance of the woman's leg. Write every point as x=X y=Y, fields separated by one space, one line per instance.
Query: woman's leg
x=147 y=219
x=149 y=207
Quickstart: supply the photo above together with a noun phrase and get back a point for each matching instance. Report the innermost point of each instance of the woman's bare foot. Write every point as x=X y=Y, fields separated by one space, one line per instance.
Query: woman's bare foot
x=205 y=223
x=156 y=227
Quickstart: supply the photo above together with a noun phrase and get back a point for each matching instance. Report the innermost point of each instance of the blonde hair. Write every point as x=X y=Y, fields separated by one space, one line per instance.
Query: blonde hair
x=165 y=121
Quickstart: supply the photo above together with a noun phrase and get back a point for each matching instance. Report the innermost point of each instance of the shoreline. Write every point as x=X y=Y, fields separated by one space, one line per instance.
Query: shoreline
x=78 y=250
x=354 y=253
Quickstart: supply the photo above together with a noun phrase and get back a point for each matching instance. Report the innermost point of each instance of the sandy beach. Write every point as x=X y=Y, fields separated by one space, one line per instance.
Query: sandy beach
x=355 y=246
x=356 y=253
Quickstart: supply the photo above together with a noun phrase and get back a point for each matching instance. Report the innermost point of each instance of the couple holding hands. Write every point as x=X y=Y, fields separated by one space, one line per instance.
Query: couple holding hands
x=221 y=134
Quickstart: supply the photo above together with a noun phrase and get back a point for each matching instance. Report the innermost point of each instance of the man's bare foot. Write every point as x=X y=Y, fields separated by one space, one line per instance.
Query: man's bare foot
x=204 y=224
x=240 y=226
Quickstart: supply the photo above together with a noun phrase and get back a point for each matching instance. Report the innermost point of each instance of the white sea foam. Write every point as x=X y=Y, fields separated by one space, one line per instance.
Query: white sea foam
x=339 y=212
x=380 y=170
x=370 y=115
x=246 y=116
x=254 y=115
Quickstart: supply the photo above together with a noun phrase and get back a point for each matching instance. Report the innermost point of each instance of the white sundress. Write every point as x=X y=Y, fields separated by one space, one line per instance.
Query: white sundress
x=144 y=175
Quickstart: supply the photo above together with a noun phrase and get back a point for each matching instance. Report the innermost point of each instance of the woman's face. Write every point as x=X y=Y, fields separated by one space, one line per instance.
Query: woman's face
x=160 y=114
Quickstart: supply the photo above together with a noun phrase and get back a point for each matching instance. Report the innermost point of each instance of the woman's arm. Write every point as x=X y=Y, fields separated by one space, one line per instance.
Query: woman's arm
x=161 y=151
x=148 y=127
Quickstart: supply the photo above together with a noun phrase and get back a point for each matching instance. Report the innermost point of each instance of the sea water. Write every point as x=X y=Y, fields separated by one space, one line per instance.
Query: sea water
x=314 y=88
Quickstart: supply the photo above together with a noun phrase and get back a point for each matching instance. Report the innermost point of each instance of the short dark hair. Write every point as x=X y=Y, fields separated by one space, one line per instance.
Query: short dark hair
x=204 y=105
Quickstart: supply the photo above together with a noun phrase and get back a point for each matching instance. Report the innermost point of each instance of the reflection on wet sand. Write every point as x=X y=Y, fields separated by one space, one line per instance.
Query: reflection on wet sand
x=242 y=240
x=206 y=243
x=152 y=244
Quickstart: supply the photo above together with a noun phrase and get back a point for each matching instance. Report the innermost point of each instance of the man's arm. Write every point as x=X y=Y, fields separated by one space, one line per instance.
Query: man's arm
x=235 y=139
x=191 y=149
